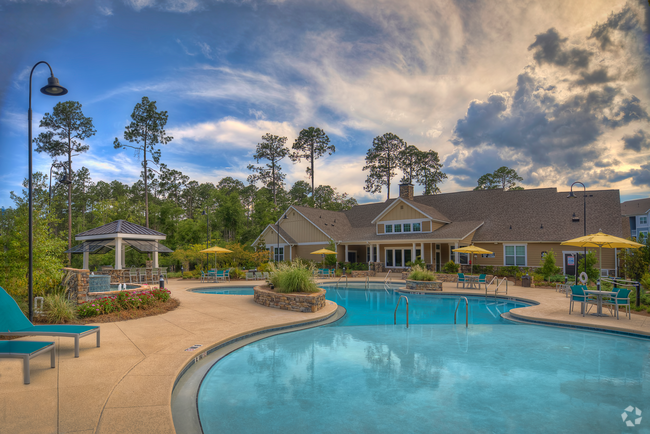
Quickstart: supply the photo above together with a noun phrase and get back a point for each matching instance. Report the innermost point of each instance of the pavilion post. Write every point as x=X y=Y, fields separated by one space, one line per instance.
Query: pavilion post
x=155 y=257
x=86 y=265
x=118 y=253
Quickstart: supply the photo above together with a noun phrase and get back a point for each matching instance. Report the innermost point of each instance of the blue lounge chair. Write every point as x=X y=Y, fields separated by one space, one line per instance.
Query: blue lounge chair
x=461 y=278
x=14 y=323
x=620 y=297
x=26 y=351
x=578 y=295
x=482 y=278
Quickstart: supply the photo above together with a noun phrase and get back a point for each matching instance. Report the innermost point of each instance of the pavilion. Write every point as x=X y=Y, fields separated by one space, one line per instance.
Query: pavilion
x=117 y=236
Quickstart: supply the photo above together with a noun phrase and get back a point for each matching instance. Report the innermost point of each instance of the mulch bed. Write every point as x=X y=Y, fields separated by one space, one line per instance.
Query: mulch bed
x=125 y=315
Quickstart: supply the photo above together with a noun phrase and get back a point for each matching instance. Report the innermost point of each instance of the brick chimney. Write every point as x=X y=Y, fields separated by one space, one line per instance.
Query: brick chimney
x=406 y=191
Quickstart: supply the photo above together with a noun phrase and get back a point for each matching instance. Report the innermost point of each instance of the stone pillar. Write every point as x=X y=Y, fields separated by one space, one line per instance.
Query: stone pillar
x=118 y=253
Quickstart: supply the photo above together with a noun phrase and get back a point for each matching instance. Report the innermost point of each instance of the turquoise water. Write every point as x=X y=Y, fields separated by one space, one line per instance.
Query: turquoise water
x=432 y=377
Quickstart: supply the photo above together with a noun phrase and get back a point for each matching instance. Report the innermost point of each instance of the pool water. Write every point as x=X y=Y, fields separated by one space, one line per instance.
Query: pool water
x=364 y=374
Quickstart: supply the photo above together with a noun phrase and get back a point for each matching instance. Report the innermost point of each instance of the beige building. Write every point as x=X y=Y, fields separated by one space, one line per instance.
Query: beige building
x=520 y=227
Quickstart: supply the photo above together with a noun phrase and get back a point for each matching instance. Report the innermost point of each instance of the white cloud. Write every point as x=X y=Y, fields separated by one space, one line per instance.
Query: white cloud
x=138 y=5
x=227 y=133
x=205 y=49
x=105 y=10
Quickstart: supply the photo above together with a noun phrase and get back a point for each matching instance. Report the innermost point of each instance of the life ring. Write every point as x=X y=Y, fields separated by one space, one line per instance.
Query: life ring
x=583 y=278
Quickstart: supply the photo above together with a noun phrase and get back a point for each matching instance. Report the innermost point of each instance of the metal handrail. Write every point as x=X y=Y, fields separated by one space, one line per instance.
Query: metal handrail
x=346 y=281
x=466 y=311
x=387 y=275
x=496 y=290
x=399 y=300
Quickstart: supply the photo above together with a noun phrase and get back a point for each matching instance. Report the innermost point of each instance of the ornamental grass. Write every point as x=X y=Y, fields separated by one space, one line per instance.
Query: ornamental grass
x=294 y=277
x=422 y=274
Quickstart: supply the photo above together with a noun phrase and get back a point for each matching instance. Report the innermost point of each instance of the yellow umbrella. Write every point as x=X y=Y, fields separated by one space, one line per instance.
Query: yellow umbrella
x=215 y=250
x=601 y=240
x=323 y=252
x=472 y=249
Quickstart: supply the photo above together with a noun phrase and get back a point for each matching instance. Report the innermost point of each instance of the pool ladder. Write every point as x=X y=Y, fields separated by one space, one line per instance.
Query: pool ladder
x=407 y=310
x=387 y=280
x=466 y=311
x=346 y=281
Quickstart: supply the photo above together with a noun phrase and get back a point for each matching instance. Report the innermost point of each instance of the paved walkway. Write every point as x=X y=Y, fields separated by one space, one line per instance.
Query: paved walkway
x=125 y=386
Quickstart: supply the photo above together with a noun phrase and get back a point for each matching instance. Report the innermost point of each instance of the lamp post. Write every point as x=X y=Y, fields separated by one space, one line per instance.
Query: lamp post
x=278 y=251
x=584 y=219
x=53 y=88
x=207 y=237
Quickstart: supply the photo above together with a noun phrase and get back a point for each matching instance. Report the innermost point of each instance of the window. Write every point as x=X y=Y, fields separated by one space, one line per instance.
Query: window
x=389 y=257
x=643 y=220
x=398 y=228
x=515 y=255
x=368 y=254
x=279 y=254
x=389 y=229
x=417 y=227
x=407 y=227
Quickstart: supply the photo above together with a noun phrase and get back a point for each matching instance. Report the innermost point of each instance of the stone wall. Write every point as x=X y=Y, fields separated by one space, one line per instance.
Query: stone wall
x=77 y=284
x=357 y=273
x=297 y=302
x=416 y=285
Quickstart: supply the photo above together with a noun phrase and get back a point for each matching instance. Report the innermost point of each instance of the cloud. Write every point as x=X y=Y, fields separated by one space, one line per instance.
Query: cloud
x=625 y=20
x=638 y=142
x=548 y=127
x=205 y=49
x=138 y=5
x=105 y=10
x=229 y=132
x=550 y=48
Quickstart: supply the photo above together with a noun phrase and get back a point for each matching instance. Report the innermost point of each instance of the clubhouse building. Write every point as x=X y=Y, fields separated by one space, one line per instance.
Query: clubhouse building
x=519 y=227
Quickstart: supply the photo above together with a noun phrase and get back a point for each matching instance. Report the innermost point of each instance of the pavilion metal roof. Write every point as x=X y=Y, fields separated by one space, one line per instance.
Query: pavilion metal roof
x=120 y=227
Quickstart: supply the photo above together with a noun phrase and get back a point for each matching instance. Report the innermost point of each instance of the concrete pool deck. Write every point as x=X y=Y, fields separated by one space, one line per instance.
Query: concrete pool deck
x=125 y=386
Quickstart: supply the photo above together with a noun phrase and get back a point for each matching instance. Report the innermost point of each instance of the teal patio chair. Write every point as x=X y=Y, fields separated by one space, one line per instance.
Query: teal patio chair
x=620 y=297
x=461 y=279
x=26 y=350
x=578 y=295
x=482 y=278
x=220 y=275
x=226 y=275
x=202 y=276
x=14 y=323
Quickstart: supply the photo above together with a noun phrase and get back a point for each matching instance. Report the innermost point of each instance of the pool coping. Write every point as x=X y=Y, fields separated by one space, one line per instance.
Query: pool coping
x=187 y=420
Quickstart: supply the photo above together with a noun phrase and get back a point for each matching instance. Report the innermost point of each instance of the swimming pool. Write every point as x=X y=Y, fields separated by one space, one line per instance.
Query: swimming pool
x=363 y=374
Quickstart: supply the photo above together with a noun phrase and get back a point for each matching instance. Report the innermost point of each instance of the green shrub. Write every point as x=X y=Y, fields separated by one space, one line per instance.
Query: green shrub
x=421 y=273
x=592 y=271
x=548 y=267
x=509 y=271
x=295 y=277
x=417 y=262
x=58 y=309
x=451 y=267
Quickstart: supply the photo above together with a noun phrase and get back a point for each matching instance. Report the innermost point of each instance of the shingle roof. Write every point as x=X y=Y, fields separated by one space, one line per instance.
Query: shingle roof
x=522 y=215
x=283 y=234
x=635 y=207
x=121 y=227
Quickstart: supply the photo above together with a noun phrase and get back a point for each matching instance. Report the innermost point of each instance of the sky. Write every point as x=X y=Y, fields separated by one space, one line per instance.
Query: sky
x=557 y=90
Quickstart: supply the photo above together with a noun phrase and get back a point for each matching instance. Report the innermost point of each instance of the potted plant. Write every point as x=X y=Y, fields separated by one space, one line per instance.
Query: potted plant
x=291 y=287
x=422 y=279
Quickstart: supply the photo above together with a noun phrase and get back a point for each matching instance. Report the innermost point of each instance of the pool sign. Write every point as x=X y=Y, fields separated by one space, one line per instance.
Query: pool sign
x=569 y=260
x=194 y=347
x=628 y=411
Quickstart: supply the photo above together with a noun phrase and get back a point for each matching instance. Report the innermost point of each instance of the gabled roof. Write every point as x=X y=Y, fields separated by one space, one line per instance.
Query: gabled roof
x=120 y=227
x=428 y=211
x=635 y=207
x=283 y=234
x=333 y=224
x=450 y=231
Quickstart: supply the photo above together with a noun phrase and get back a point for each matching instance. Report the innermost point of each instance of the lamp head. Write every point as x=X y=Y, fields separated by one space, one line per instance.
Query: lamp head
x=572 y=195
x=65 y=180
x=204 y=213
x=53 y=87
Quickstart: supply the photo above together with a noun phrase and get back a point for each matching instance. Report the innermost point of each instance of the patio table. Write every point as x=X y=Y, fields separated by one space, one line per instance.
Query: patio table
x=599 y=295
x=471 y=281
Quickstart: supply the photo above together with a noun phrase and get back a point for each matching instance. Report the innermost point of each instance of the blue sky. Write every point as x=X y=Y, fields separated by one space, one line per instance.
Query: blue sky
x=557 y=90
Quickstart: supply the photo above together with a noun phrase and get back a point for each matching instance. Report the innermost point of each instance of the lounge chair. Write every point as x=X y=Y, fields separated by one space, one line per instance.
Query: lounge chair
x=578 y=295
x=482 y=279
x=620 y=297
x=461 y=279
x=133 y=275
x=14 y=323
x=250 y=275
x=163 y=272
x=26 y=350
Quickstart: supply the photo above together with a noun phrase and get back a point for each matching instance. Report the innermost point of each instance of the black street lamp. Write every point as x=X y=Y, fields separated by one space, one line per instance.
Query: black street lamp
x=53 y=88
x=207 y=238
x=584 y=220
x=278 y=251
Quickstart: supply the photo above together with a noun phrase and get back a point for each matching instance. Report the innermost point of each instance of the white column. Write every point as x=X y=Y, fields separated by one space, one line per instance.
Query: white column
x=433 y=247
x=615 y=262
x=413 y=252
x=86 y=257
x=123 y=255
x=456 y=255
x=155 y=258
x=346 y=254
x=422 y=253
x=290 y=253
x=118 y=253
